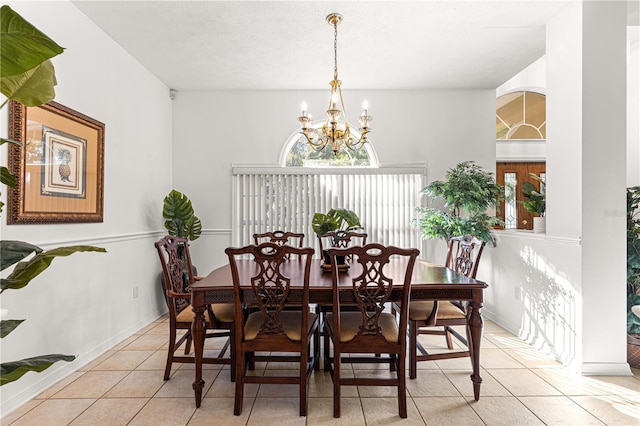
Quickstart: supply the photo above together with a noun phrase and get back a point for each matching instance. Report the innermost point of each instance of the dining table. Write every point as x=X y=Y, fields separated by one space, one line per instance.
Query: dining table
x=429 y=281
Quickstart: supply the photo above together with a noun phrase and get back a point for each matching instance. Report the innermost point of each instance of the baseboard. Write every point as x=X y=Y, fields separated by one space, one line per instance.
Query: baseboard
x=49 y=378
x=605 y=369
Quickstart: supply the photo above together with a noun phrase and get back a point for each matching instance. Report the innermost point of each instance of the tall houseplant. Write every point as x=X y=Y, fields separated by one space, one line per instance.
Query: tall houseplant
x=633 y=276
x=27 y=76
x=467 y=192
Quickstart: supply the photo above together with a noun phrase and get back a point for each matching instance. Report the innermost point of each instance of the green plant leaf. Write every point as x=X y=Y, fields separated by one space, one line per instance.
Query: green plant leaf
x=23 y=46
x=25 y=271
x=12 y=252
x=33 y=87
x=12 y=371
x=179 y=216
x=6 y=177
x=323 y=223
x=194 y=228
x=347 y=219
x=7 y=326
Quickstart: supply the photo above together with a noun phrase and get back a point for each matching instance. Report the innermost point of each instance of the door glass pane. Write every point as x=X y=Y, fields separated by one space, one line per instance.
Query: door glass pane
x=510 y=210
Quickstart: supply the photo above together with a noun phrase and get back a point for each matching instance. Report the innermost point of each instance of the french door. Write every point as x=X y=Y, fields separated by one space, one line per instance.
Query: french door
x=512 y=176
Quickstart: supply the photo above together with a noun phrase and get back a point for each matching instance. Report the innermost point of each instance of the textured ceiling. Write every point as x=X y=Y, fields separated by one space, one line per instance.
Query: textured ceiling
x=195 y=45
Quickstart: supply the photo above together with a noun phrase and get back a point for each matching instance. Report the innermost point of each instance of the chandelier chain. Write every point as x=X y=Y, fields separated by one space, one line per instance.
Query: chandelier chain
x=335 y=50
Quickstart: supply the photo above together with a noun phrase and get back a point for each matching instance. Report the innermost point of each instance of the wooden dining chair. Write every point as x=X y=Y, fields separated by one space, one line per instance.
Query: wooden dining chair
x=340 y=239
x=368 y=330
x=280 y=238
x=439 y=317
x=270 y=328
x=175 y=259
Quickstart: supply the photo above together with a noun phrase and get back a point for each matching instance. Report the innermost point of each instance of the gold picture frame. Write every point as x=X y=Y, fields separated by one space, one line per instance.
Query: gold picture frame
x=59 y=167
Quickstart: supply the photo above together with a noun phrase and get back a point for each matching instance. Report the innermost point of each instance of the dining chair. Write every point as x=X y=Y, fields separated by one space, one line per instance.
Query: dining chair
x=340 y=239
x=280 y=238
x=439 y=317
x=175 y=259
x=285 y=335
x=368 y=330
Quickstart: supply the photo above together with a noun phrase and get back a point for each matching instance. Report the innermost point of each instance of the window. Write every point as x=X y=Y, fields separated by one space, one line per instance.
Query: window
x=521 y=115
x=298 y=153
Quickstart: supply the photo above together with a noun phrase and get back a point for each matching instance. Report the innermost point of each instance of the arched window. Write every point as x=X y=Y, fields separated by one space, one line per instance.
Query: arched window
x=298 y=153
x=521 y=115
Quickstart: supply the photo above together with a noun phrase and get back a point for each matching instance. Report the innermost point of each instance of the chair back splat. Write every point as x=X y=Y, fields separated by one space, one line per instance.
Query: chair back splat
x=266 y=282
x=178 y=274
x=368 y=329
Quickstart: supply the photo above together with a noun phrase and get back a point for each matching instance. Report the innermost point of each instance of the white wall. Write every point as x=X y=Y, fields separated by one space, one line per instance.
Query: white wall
x=83 y=304
x=213 y=130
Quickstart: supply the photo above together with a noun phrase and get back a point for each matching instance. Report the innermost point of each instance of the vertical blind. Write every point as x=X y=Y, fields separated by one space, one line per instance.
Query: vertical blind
x=285 y=198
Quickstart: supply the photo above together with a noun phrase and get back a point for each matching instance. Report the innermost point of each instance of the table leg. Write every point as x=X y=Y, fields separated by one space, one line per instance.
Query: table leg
x=197 y=332
x=475 y=325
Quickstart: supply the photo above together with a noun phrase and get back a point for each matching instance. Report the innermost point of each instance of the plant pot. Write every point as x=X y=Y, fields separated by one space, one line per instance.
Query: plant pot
x=539 y=225
x=633 y=350
x=340 y=259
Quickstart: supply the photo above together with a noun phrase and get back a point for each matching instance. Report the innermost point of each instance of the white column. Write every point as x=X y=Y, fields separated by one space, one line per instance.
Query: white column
x=586 y=169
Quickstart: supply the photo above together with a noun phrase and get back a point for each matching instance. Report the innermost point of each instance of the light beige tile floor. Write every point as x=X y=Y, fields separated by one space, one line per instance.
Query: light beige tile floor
x=124 y=386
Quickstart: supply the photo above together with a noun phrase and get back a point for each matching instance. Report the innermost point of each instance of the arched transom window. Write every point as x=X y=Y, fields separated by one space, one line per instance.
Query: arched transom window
x=298 y=153
x=521 y=115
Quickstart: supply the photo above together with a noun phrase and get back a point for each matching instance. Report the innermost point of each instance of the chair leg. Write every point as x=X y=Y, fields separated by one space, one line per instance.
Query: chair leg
x=402 y=388
x=240 y=373
x=187 y=346
x=171 y=350
x=413 y=349
x=232 y=354
x=303 y=384
x=336 y=383
x=316 y=350
x=447 y=333
x=327 y=352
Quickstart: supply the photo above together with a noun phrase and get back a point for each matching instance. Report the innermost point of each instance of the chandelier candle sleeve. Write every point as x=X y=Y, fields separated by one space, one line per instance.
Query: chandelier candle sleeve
x=334 y=132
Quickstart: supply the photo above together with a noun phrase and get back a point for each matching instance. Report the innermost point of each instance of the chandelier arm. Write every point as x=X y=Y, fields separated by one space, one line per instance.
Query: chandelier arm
x=316 y=146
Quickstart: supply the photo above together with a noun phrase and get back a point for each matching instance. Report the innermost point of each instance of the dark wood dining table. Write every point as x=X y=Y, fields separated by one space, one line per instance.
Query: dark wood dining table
x=429 y=282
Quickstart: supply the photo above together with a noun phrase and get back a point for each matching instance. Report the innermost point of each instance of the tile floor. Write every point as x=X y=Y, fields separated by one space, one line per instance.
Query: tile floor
x=124 y=386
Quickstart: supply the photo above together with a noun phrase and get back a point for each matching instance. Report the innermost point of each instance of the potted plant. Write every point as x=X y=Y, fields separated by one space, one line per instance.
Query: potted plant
x=335 y=220
x=180 y=221
x=535 y=201
x=26 y=76
x=633 y=277
x=467 y=191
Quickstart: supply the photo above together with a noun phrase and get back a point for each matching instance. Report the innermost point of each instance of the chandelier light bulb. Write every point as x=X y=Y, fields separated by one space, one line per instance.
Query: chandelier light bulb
x=365 y=105
x=304 y=108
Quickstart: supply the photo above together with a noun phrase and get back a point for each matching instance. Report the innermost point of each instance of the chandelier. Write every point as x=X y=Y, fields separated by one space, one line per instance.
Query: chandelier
x=333 y=132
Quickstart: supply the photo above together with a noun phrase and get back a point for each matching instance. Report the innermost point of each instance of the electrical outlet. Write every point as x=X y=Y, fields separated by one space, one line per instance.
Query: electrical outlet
x=135 y=292
x=518 y=293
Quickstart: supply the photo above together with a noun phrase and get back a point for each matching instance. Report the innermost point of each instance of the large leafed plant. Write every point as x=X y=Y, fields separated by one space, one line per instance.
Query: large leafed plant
x=467 y=191
x=27 y=76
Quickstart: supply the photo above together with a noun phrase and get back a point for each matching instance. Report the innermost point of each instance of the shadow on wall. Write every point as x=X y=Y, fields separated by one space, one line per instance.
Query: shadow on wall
x=534 y=298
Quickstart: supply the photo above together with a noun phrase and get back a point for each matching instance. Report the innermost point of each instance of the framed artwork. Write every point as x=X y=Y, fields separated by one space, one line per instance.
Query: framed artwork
x=59 y=166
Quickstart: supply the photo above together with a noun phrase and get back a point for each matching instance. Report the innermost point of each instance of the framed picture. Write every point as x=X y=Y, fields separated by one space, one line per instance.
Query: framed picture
x=59 y=167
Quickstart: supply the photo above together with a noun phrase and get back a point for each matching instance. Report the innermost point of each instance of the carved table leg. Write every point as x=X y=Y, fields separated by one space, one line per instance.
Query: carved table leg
x=197 y=332
x=475 y=325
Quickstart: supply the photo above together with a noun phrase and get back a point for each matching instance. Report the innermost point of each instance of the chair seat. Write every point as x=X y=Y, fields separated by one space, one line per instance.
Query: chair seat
x=421 y=310
x=290 y=320
x=350 y=323
x=224 y=312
